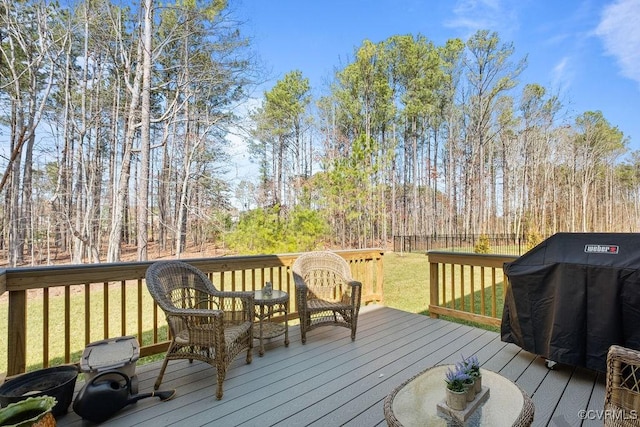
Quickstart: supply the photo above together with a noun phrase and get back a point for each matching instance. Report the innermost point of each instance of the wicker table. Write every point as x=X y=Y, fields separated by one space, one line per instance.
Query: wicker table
x=278 y=302
x=413 y=403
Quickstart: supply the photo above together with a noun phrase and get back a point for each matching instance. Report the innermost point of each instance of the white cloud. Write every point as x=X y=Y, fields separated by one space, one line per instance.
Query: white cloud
x=494 y=15
x=562 y=75
x=619 y=29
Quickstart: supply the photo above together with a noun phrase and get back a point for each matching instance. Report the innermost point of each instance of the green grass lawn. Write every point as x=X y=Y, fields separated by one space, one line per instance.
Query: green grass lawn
x=406 y=281
x=56 y=322
x=407 y=286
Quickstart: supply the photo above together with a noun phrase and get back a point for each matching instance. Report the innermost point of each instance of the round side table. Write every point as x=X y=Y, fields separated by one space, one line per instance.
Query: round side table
x=267 y=306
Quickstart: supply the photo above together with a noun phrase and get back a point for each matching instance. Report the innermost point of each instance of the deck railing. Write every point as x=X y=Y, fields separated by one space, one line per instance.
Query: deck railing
x=467 y=286
x=51 y=313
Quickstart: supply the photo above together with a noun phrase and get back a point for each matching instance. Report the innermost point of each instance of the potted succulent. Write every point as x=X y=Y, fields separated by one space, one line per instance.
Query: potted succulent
x=472 y=368
x=456 y=397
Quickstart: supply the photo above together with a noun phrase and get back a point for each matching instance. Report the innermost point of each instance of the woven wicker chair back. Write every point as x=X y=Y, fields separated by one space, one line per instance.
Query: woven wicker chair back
x=622 y=392
x=179 y=285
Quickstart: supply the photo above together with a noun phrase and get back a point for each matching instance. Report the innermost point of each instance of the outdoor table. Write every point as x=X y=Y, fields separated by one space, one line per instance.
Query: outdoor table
x=414 y=402
x=277 y=302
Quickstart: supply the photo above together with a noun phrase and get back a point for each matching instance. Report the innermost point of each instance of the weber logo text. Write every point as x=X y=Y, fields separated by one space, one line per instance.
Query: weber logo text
x=601 y=249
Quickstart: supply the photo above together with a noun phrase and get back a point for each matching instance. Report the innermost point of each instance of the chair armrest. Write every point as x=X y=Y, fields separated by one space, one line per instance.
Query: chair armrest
x=194 y=312
x=248 y=296
x=355 y=294
x=354 y=283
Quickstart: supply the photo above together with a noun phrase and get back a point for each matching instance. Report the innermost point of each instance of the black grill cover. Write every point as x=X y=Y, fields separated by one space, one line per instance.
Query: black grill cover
x=573 y=296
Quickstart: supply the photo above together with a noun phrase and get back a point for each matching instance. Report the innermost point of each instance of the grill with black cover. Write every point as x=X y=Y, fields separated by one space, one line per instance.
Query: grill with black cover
x=573 y=296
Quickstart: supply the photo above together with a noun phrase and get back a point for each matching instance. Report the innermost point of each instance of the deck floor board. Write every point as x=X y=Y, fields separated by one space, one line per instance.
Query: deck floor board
x=332 y=381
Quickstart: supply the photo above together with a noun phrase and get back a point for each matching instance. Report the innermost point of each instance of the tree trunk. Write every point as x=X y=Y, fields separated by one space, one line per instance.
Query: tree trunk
x=115 y=236
x=145 y=137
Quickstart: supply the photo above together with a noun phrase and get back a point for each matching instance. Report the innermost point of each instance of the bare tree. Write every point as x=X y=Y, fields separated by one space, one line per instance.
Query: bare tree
x=133 y=72
x=145 y=137
x=29 y=54
x=489 y=75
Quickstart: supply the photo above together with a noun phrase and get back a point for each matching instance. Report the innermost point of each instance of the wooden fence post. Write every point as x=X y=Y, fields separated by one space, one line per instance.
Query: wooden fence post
x=434 y=288
x=17 y=333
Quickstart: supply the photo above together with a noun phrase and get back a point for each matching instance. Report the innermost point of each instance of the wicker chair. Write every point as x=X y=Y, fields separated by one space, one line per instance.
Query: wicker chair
x=205 y=324
x=622 y=395
x=326 y=294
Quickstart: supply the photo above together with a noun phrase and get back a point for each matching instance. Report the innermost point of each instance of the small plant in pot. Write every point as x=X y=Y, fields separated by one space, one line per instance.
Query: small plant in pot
x=456 y=389
x=469 y=382
x=472 y=368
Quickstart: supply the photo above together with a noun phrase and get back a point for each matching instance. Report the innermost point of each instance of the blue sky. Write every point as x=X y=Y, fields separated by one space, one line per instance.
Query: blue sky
x=587 y=51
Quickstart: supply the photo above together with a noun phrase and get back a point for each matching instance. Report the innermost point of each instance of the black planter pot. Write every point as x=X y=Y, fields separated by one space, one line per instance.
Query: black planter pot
x=58 y=382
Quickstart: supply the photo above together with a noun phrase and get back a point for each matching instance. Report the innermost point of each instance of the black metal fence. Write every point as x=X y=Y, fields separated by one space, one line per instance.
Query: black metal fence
x=503 y=244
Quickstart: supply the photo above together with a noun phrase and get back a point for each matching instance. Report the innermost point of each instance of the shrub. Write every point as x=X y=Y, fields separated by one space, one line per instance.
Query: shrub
x=533 y=239
x=482 y=245
x=270 y=230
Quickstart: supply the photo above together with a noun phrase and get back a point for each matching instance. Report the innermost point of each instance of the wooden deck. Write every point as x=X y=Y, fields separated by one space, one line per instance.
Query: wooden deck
x=332 y=381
